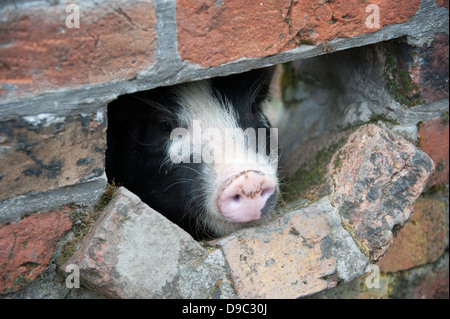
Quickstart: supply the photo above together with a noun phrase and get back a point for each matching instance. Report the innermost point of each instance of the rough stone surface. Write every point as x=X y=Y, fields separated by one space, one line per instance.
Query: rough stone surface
x=26 y=246
x=377 y=176
x=429 y=281
x=50 y=285
x=211 y=33
x=115 y=40
x=301 y=253
x=46 y=153
x=421 y=241
x=134 y=252
x=434 y=140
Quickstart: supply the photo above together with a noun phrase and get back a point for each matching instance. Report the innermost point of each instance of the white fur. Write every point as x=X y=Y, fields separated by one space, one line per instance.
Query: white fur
x=201 y=112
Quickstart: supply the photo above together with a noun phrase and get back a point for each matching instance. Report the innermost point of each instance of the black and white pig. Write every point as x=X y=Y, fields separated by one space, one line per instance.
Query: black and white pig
x=200 y=153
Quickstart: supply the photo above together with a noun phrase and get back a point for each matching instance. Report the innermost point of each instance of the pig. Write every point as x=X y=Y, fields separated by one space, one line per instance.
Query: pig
x=200 y=153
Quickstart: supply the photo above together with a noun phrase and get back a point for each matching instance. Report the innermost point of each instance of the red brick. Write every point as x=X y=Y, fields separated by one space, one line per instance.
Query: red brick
x=116 y=40
x=433 y=285
x=421 y=241
x=26 y=246
x=211 y=33
x=442 y=3
x=433 y=140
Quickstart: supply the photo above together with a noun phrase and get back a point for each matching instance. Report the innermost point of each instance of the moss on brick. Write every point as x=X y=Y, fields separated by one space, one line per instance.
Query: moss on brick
x=399 y=82
x=308 y=183
x=84 y=220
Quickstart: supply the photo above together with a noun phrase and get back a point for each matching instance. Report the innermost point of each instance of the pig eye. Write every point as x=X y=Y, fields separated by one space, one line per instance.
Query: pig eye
x=165 y=126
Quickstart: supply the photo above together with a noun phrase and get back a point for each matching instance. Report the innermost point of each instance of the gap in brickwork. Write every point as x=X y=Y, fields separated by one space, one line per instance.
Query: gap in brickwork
x=141 y=127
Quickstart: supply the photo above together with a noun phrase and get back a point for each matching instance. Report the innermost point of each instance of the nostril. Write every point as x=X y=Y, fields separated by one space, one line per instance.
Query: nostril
x=247 y=197
x=267 y=192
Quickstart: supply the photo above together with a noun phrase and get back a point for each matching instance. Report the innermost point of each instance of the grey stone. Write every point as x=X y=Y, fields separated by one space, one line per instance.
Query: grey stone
x=134 y=252
x=350 y=261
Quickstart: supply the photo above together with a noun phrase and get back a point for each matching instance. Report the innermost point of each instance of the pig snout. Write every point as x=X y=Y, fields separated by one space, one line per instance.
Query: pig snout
x=246 y=196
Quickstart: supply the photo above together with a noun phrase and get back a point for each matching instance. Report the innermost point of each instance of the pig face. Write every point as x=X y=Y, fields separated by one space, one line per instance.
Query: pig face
x=200 y=153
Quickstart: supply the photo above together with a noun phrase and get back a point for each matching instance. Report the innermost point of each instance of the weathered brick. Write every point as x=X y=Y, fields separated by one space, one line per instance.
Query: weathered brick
x=442 y=3
x=421 y=241
x=115 y=40
x=433 y=140
x=26 y=246
x=211 y=33
x=416 y=75
x=434 y=69
x=45 y=152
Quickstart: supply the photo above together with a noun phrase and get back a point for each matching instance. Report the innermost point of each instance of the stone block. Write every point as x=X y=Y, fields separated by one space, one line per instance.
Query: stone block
x=134 y=252
x=26 y=246
x=377 y=176
x=442 y=3
x=433 y=285
x=429 y=281
x=301 y=253
x=417 y=74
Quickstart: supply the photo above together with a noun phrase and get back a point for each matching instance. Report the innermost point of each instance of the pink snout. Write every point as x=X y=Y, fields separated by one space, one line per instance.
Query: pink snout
x=245 y=196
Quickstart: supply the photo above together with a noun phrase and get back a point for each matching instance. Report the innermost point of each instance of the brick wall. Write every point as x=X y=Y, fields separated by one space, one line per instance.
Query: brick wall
x=56 y=80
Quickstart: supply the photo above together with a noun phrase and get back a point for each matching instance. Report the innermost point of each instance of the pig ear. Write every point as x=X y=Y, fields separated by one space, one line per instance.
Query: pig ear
x=259 y=82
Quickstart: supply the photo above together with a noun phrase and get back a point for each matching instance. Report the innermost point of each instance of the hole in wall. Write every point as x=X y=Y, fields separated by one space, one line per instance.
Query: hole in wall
x=303 y=99
x=193 y=151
